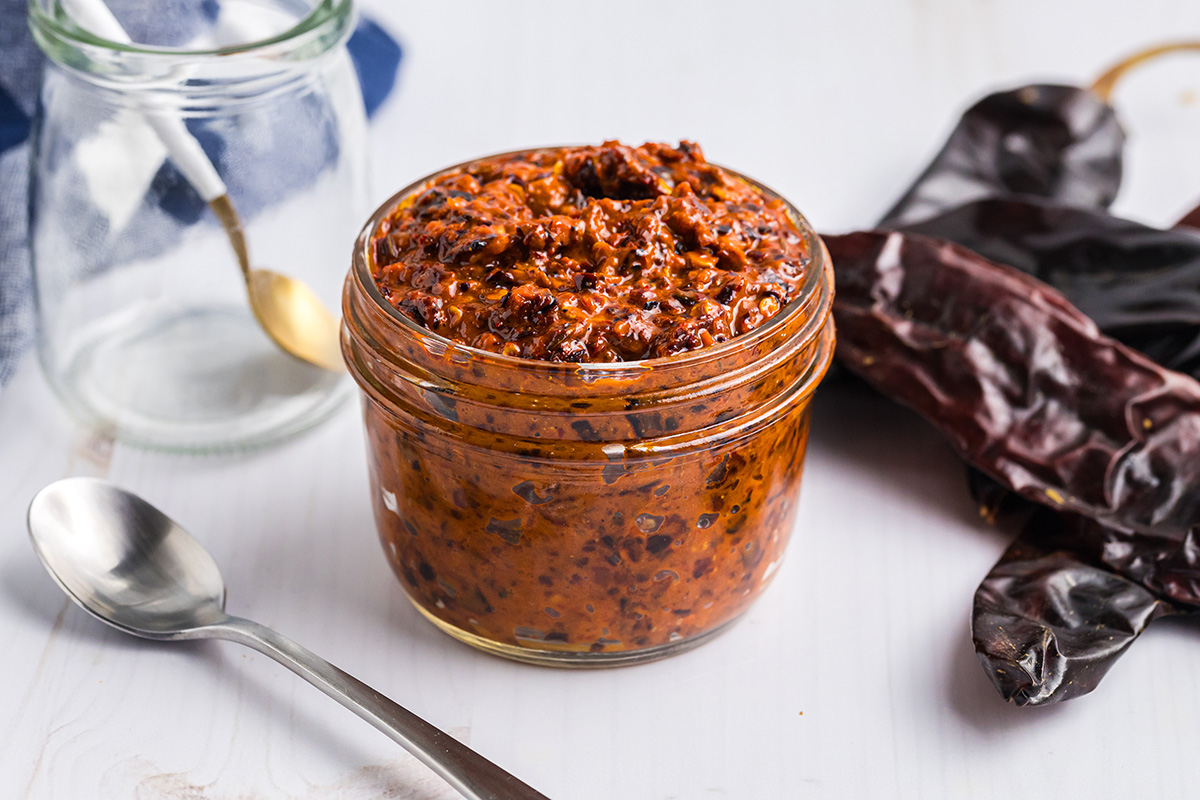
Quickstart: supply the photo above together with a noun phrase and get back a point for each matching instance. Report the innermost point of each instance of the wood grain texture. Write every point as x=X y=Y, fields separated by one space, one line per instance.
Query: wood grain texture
x=837 y=105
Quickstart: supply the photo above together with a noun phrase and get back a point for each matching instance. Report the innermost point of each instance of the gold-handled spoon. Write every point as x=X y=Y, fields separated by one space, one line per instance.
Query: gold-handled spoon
x=288 y=311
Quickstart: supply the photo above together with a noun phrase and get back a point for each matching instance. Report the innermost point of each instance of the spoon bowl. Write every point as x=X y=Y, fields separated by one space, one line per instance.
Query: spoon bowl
x=288 y=310
x=124 y=561
x=130 y=565
x=295 y=318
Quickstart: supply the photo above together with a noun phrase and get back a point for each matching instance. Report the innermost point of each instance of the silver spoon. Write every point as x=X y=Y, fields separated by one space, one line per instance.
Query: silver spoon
x=130 y=565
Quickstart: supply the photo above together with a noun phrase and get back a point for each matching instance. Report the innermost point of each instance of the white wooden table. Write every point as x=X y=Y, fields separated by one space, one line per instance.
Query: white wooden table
x=853 y=677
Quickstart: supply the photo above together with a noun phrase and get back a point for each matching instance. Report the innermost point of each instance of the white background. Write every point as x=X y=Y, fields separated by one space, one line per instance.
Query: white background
x=853 y=677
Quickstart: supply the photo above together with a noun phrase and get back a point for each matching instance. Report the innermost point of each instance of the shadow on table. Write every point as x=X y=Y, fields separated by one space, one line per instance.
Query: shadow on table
x=973 y=698
x=27 y=588
x=890 y=447
x=403 y=778
x=878 y=441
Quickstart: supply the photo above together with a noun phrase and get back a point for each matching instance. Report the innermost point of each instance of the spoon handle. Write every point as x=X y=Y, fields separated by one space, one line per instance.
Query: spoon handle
x=464 y=769
x=96 y=18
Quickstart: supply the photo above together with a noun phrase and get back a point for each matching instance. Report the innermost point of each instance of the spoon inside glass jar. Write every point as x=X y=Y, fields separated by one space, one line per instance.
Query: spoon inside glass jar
x=130 y=565
x=288 y=310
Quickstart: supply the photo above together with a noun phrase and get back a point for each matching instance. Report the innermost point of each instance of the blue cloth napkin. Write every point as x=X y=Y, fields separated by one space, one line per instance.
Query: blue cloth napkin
x=376 y=56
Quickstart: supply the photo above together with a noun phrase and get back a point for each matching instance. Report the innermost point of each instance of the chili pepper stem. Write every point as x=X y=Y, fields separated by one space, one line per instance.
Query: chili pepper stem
x=1104 y=85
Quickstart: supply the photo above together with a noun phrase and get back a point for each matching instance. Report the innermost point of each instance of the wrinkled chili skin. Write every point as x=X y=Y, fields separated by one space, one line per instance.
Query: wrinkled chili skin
x=590 y=254
x=1026 y=387
x=1032 y=394
x=1139 y=284
x=1061 y=143
x=1136 y=282
x=1051 y=617
x=584 y=513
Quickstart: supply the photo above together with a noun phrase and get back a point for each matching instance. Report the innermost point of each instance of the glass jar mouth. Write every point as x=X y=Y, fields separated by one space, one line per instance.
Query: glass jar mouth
x=814 y=284
x=325 y=25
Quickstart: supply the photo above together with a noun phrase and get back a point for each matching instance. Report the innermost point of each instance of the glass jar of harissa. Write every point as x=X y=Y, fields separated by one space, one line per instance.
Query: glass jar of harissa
x=584 y=514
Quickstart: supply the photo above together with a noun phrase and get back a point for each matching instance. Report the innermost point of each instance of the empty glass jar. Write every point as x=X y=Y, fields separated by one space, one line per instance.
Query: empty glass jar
x=144 y=326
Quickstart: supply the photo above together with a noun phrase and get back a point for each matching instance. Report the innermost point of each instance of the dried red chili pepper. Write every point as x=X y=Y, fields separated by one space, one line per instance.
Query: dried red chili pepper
x=1190 y=219
x=1053 y=161
x=1141 y=285
x=1058 y=142
x=1048 y=622
x=1030 y=391
x=1026 y=386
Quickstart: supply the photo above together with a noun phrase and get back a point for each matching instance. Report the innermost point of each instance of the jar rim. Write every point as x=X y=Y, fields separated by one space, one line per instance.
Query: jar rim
x=325 y=18
x=597 y=370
